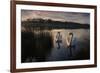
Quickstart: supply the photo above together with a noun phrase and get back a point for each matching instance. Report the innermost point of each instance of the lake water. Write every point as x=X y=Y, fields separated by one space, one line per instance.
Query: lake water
x=38 y=48
x=81 y=40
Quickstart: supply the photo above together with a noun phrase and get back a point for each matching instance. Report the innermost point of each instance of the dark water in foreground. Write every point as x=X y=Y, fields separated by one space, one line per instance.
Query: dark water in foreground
x=41 y=46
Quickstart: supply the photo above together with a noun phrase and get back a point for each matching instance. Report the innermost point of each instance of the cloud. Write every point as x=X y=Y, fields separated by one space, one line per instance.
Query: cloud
x=54 y=15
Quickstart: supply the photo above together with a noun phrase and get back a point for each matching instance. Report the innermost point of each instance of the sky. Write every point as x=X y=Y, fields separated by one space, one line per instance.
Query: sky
x=77 y=17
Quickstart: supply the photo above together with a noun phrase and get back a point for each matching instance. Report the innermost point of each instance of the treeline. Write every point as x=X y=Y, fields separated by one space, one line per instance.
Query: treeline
x=51 y=24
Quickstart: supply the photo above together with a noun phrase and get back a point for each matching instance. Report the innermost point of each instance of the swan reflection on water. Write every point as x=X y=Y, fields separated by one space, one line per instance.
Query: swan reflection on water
x=69 y=41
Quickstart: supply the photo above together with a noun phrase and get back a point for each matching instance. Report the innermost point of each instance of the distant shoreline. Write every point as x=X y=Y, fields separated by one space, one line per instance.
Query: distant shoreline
x=51 y=24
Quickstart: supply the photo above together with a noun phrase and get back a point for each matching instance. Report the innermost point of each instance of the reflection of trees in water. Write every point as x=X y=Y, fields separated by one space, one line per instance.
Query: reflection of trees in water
x=36 y=44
